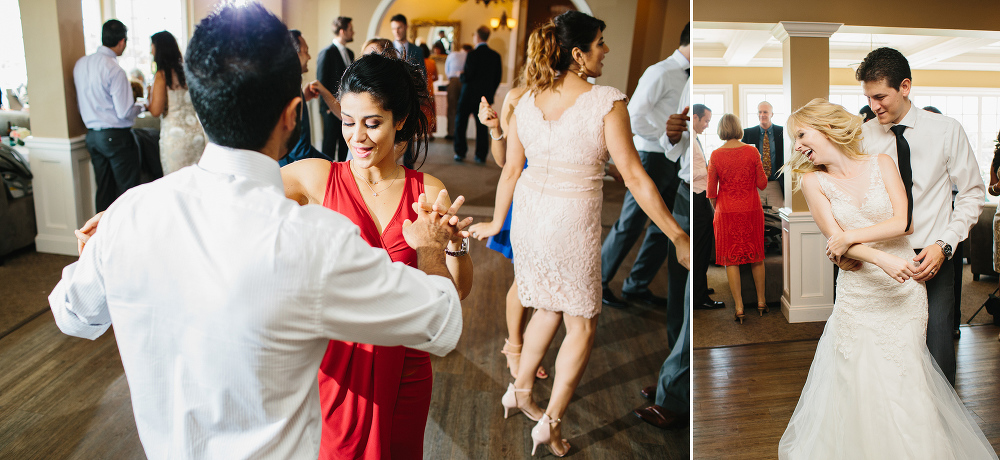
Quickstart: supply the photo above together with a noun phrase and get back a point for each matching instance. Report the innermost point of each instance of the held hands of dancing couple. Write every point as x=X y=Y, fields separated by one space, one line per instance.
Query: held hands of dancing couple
x=845 y=248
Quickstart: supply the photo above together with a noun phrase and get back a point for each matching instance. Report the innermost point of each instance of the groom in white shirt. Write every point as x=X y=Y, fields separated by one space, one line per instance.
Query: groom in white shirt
x=223 y=293
x=935 y=152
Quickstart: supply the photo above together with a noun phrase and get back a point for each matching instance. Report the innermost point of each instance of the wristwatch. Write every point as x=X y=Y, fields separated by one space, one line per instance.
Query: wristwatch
x=945 y=248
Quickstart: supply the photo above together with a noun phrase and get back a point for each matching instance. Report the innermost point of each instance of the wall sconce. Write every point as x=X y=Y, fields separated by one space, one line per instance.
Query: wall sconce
x=503 y=21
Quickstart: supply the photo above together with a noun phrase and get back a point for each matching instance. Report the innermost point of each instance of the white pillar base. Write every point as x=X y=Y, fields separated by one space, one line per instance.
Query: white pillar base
x=64 y=189
x=808 y=273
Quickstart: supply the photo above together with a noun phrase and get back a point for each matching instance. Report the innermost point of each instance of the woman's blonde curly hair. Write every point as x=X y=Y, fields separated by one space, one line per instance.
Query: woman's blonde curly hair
x=833 y=121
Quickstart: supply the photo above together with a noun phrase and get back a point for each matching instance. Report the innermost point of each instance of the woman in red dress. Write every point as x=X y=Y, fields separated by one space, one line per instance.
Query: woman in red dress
x=375 y=399
x=734 y=175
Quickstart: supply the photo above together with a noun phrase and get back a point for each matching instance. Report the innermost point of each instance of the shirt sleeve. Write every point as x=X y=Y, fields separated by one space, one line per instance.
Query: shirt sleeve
x=368 y=298
x=121 y=95
x=78 y=302
x=964 y=173
x=650 y=89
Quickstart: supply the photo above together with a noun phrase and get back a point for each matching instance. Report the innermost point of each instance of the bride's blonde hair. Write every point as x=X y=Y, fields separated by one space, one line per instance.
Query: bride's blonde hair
x=833 y=121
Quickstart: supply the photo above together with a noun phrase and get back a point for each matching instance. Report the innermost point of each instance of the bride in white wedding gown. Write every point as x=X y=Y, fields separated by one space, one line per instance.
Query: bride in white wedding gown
x=873 y=391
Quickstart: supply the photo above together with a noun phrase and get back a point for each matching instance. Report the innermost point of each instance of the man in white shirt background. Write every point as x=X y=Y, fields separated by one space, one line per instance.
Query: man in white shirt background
x=453 y=66
x=935 y=151
x=330 y=66
x=656 y=97
x=223 y=293
x=104 y=96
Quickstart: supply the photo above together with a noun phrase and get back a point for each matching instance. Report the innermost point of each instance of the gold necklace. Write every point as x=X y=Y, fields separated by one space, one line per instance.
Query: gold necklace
x=370 y=185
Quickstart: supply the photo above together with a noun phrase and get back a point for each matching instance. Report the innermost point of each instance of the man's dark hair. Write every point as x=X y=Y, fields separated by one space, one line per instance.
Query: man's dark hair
x=700 y=109
x=931 y=108
x=399 y=18
x=884 y=63
x=296 y=33
x=467 y=47
x=113 y=32
x=340 y=23
x=483 y=33
x=686 y=35
x=398 y=87
x=242 y=71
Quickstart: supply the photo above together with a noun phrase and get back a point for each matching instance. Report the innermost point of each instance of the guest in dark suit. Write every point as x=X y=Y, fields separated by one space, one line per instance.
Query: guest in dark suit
x=481 y=77
x=409 y=52
x=772 y=154
x=303 y=146
x=330 y=66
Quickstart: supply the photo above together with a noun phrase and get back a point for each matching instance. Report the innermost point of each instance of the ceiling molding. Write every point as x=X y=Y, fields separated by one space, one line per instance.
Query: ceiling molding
x=744 y=46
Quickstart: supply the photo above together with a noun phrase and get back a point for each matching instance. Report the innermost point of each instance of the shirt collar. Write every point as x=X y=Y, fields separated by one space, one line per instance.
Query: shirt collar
x=243 y=163
x=107 y=52
x=481 y=44
x=909 y=120
x=683 y=61
x=769 y=129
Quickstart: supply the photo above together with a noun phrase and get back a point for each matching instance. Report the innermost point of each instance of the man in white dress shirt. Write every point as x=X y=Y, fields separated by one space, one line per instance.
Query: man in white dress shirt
x=223 y=293
x=939 y=156
x=656 y=97
x=104 y=96
x=453 y=66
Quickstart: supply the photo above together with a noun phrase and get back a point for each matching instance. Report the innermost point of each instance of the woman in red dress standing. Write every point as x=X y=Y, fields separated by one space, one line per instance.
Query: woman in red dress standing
x=375 y=399
x=734 y=175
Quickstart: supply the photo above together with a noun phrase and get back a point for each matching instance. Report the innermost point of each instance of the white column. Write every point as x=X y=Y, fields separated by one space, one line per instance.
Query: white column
x=807 y=293
x=63 y=186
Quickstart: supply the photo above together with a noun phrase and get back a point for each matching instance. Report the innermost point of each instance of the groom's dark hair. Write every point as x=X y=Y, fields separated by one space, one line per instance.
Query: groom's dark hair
x=884 y=63
x=242 y=71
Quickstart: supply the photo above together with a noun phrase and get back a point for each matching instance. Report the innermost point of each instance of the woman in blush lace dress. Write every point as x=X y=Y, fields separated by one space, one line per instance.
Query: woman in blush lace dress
x=181 y=137
x=873 y=390
x=564 y=127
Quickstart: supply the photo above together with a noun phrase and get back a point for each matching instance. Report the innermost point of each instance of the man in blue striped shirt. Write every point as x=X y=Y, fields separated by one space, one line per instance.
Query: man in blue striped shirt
x=104 y=96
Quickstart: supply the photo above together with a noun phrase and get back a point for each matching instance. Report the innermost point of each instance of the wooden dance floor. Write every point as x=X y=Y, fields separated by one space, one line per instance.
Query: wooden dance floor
x=745 y=395
x=67 y=398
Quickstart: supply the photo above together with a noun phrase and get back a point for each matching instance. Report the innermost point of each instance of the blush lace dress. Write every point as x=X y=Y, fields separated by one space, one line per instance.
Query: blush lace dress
x=556 y=226
x=181 y=137
x=874 y=391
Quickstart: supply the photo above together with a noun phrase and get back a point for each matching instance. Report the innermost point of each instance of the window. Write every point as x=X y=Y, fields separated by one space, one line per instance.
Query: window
x=143 y=19
x=13 y=71
x=975 y=108
x=718 y=99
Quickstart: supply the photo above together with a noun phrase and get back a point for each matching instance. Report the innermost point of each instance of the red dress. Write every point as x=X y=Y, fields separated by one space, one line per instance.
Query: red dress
x=374 y=399
x=734 y=175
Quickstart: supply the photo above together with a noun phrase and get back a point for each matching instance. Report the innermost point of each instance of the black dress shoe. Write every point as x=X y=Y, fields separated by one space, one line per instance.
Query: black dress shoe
x=645 y=296
x=648 y=392
x=608 y=298
x=459 y=158
x=661 y=418
x=449 y=137
x=709 y=304
x=481 y=161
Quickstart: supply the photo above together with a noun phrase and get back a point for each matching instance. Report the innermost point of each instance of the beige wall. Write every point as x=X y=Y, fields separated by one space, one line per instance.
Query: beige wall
x=930 y=14
x=737 y=76
x=658 y=26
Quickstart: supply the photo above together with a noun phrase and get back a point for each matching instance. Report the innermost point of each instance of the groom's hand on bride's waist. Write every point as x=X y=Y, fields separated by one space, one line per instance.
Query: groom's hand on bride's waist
x=930 y=259
x=845 y=263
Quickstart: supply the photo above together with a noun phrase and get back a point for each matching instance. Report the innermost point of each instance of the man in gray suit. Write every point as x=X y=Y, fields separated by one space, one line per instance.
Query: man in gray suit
x=410 y=52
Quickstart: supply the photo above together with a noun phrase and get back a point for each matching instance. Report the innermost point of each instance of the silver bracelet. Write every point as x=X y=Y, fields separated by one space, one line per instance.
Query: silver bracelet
x=462 y=251
x=496 y=138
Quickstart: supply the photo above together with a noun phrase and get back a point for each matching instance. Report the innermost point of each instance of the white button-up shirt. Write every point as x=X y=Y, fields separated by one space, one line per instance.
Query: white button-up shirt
x=455 y=63
x=224 y=295
x=656 y=97
x=940 y=155
x=103 y=91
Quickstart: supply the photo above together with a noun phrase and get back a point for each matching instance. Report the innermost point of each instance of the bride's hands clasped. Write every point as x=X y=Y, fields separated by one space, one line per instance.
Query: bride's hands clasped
x=896 y=267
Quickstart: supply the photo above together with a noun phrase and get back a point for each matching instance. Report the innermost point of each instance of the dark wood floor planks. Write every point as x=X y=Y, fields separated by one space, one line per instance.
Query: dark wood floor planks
x=745 y=395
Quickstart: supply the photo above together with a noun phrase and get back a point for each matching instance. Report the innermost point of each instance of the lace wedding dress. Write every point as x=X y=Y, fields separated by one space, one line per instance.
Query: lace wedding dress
x=181 y=137
x=556 y=226
x=874 y=391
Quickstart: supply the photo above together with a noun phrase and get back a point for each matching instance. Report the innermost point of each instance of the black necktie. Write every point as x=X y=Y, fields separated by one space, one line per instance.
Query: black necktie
x=903 y=158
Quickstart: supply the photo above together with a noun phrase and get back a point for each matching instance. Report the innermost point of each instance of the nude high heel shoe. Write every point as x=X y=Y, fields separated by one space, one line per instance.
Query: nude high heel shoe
x=542 y=434
x=509 y=401
x=762 y=308
x=539 y=374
